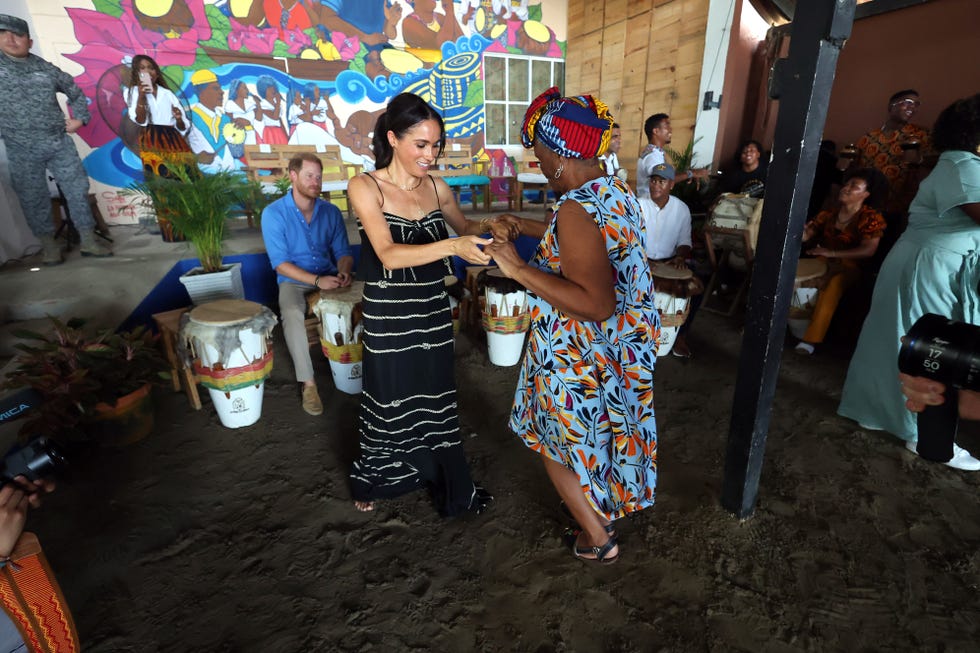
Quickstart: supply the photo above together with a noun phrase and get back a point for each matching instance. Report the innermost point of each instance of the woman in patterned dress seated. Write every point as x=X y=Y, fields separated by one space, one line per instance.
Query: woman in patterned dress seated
x=585 y=395
x=845 y=237
x=409 y=425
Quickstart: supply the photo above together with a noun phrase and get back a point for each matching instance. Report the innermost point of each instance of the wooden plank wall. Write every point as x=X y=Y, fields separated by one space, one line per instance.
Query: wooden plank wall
x=640 y=57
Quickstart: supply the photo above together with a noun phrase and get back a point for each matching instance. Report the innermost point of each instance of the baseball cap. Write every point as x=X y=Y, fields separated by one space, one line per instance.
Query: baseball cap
x=13 y=24
x=664 y=170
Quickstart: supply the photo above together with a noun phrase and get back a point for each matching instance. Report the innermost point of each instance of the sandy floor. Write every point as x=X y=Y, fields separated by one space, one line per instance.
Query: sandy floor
x=201 y=538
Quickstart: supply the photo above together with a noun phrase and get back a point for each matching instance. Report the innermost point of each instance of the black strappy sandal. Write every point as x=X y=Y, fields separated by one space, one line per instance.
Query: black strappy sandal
x=600 y=553
x=481 y=499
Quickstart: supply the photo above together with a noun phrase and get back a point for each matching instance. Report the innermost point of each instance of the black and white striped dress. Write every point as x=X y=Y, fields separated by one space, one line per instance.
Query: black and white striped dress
x=409 y=426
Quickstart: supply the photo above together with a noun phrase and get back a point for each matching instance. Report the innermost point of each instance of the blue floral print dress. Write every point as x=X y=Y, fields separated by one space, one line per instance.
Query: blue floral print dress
x=585 y=394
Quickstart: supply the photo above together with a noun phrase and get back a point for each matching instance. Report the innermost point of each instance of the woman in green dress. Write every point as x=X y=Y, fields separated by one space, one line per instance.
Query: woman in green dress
x=933 y=268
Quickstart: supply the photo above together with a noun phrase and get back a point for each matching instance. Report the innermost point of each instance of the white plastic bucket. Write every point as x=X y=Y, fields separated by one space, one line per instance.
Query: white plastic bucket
x=669 y=306
x=346 y=376
x=241 y=407
x=801 y=310
x=505 y=349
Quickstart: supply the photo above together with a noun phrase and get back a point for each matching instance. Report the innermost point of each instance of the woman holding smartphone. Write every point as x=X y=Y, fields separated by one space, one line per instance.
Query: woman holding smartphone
x=155 y=108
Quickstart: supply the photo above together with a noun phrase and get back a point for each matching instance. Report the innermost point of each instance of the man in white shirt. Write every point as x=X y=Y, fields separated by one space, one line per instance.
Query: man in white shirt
x=658 y=132
x=667 y=221
x=610 y=160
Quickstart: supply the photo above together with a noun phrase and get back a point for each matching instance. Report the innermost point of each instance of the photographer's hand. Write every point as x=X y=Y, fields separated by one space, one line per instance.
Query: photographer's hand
x=13 y=514
x=921 y=392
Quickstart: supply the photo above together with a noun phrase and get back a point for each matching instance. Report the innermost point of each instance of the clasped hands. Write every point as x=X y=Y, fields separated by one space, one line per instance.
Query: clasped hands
x=475 y=249
x=329 y=282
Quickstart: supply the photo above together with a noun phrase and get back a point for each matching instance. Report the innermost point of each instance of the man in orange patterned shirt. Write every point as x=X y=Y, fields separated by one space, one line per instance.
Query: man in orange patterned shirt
x=896 y=149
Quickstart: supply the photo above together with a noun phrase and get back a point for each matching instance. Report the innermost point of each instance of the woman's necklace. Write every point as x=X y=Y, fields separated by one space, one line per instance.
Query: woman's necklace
x=409 y=190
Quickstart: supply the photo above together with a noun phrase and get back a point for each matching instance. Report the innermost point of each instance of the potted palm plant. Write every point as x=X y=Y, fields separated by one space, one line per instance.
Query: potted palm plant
x=95 y=385
x=691 y=191
x=198 y=206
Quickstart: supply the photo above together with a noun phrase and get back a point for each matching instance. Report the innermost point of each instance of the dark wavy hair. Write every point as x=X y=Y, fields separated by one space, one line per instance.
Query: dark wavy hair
x=958 y=126
x=404 y=112
x=652 y=123
x=134 y=72
x=875 y=183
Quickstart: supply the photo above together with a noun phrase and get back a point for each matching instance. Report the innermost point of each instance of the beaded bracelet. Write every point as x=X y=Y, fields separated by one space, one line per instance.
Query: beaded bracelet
x=5 y=560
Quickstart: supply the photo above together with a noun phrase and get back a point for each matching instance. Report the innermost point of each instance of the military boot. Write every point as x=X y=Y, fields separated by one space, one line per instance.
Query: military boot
x=51 y=250
x=92 y=246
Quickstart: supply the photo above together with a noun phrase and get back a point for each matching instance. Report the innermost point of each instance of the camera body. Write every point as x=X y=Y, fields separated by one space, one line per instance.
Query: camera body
x=39 y=458
x=949 y=352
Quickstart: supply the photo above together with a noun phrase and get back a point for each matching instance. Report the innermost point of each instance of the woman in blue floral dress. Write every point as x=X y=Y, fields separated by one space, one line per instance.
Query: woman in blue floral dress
x=585 y=395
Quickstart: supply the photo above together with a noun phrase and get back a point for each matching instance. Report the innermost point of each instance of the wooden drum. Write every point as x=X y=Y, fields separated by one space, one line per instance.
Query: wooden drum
x=809 y=277
x=505 y=317
x=340 y=313
x=226 y=343
x=673 y=288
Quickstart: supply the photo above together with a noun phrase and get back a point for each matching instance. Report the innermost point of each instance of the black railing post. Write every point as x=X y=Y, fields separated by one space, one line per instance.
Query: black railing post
x=802 y=82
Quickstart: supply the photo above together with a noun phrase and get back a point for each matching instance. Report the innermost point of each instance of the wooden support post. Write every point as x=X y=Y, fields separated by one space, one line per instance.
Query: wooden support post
x=802 y=82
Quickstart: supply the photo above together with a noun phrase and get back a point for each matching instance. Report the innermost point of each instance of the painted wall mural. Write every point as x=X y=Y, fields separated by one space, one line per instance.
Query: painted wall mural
x=297 y=71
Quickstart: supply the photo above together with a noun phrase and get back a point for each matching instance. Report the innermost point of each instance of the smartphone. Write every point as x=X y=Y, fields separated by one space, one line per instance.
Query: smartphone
x=145 y=78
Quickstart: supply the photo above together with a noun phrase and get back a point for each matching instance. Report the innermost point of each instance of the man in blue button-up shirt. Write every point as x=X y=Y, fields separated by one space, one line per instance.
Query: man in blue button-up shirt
x=307 y=244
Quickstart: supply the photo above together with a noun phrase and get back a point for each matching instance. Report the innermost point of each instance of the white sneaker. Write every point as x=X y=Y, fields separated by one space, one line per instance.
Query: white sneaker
x=804 y=348
x=963 y=460
x=961 y=457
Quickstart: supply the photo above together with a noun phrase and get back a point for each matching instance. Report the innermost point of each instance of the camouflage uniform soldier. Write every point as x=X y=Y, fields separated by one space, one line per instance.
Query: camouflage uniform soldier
x=35 y=131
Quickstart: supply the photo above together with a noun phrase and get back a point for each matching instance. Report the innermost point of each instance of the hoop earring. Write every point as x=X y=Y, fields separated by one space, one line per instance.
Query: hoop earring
x=561 y=168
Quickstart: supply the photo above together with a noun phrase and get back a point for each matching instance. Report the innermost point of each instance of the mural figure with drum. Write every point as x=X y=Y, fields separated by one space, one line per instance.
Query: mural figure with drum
x=307 y=244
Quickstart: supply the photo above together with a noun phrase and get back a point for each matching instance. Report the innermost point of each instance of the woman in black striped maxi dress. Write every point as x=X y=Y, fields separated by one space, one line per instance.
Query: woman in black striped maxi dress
x=409 y=426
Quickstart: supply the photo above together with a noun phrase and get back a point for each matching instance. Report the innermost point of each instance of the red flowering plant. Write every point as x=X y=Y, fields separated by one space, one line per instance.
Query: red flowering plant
x=74 y=369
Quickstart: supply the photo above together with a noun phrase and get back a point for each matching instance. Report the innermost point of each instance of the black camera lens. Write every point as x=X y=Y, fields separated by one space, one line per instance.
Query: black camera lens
x=40 y=458
x=942 y=350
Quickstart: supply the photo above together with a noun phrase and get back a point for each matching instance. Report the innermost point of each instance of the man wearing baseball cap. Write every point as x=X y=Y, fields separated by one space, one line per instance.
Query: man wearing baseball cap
x=667 y=221
x=36 y=134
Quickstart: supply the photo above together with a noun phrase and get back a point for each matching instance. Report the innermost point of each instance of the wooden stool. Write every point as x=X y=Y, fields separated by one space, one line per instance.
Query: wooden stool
x=168 y=322
x=312 y=322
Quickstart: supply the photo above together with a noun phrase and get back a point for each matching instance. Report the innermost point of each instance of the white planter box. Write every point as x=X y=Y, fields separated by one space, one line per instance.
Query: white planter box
x=207 y=287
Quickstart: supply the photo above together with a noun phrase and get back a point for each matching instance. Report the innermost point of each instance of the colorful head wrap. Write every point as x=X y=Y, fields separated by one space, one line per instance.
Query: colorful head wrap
x=575 y=127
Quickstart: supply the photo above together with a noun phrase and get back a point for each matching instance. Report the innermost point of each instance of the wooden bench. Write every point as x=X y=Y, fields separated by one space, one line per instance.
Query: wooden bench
x=268 y=163
x=264 y=163
x=457 y=168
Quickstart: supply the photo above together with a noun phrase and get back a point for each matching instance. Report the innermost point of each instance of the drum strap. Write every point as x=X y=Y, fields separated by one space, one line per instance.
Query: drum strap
x=34 y=601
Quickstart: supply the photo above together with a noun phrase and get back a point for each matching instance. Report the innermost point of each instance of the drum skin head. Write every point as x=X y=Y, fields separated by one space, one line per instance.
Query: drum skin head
x=810 y=268
x=666 y=271
x=225 y=311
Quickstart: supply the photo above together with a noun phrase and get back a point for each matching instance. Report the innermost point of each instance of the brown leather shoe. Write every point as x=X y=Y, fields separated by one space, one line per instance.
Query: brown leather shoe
x=311 y=400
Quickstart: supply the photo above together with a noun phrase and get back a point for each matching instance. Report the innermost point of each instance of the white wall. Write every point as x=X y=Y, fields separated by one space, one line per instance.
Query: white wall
x=717 y=32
